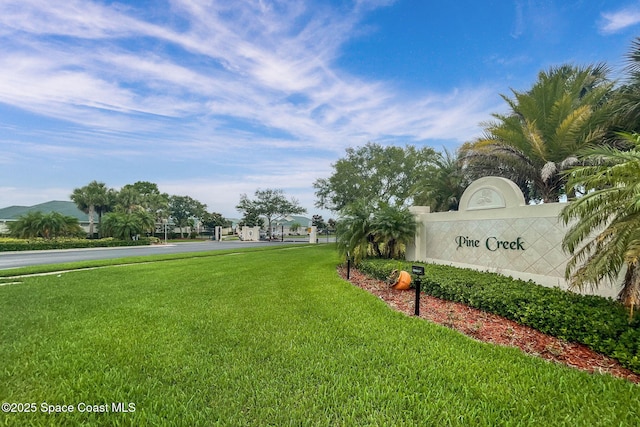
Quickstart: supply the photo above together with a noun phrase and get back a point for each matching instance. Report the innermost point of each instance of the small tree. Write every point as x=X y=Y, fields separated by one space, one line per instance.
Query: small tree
x=384 y=232
x=393 y=227
x=47 y=226
x=120 y=225
x=212 y=220
x=251 y=219
x=270 y=203
x=183 y=209
x=318 y=222
x=354 y=231
x=146 y=220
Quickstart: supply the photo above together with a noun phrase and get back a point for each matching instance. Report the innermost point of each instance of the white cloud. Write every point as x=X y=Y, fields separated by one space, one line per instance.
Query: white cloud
x=613 y=22
x=32 y=196
x=217 y=80
x=74 y=18
x=222 y=194
x=255 y=57
x=519 y=23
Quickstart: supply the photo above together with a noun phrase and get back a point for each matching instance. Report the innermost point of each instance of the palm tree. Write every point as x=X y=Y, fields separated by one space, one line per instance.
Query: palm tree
x=129 y=199
x=71 y=227
x=604 y=237
x=48 y=226
x=625 y=104
x=442 y=189
x=532 y=145
x=121 y=225
x=91 y=198
x=384 y=232
x=354 y=231
x=52 y=225
x=146 y=220
x=627 y=100
x=158 y=205
x=26 y=226
x=105 y=205
x=393 y=227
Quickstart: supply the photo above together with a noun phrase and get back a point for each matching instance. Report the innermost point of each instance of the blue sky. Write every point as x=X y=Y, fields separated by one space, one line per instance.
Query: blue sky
x=214 y=98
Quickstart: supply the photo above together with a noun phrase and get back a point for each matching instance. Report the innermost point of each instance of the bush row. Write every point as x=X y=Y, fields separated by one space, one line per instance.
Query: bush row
x=600 y=323
x=9 y=244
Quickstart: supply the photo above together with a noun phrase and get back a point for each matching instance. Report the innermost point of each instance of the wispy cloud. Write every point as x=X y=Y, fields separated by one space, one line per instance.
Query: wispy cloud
x=518 y=24
x=616 y=21
x=243 y=61
x=16 y=196
x=212 y=79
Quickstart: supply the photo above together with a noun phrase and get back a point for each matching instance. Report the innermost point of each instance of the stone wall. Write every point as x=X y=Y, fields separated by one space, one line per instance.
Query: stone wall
x=495 y=230
x=249 y=234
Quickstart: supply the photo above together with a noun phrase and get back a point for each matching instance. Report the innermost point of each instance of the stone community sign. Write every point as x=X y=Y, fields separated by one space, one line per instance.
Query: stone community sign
x=495 y=230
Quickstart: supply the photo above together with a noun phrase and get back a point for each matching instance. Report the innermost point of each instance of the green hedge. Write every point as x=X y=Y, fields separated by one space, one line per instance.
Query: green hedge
x=9 y=244
x=600 y=323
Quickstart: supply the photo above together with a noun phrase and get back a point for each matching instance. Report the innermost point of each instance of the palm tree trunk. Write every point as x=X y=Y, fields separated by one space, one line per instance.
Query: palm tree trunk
x=99 y=223
x=91 y=211
x=630 y=292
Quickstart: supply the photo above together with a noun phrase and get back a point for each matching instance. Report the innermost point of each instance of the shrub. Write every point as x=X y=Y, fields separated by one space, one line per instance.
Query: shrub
x=49 y=226
x=600 y=323
x=43 y=244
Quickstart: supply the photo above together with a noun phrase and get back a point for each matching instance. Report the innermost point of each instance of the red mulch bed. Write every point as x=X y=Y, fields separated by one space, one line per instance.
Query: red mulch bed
x=492 y=328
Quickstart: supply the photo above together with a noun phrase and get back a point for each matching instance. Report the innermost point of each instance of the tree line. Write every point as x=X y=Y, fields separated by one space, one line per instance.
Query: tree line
x=136 y=209
x=139 y=208
x=573 y=135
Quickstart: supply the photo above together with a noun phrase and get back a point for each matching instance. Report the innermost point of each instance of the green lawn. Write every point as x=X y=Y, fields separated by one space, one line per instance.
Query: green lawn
x=267 y=338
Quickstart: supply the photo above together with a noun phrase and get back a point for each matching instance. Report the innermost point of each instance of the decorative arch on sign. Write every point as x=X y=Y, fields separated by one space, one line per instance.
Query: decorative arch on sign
x=491 y=192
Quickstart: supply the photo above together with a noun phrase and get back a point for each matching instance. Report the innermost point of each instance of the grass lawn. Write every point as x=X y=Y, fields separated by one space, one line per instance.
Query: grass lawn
x=267 y=338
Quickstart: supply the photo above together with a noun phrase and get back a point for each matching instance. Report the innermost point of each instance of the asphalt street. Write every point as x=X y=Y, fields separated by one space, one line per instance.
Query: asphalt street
x=28 y=258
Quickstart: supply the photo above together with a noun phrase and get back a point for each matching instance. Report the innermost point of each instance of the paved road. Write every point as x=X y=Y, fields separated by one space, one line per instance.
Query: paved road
x=27 y=258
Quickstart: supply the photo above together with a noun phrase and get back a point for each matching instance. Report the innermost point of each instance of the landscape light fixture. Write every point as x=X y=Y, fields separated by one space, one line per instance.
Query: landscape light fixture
x=418 y=270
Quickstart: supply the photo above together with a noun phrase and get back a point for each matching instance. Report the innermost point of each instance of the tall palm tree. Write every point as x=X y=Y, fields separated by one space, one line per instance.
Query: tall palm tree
x=87 y=198
x=442 y=188
x=604 y=237
x=626 y=101
x=106 y=204
x=538 y=139
x=129 y=199
x=157 y=204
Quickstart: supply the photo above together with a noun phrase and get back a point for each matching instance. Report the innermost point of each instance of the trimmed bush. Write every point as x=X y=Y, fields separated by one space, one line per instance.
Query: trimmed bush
x=600 y=323
x=10 y=244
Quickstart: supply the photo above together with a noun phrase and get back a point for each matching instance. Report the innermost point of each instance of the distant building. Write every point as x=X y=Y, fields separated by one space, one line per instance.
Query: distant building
x=68 y=208
x=285 y=226
x=12 y=213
